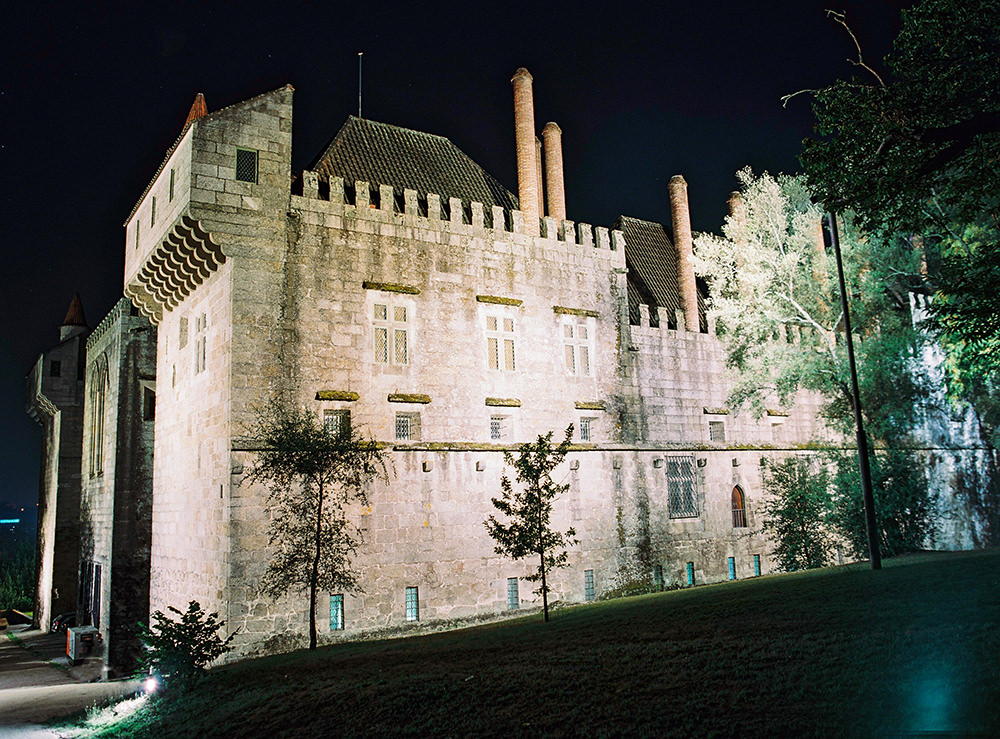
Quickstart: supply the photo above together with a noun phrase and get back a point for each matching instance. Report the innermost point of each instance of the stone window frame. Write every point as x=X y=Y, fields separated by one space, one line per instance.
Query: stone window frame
x=578 y=350
x=500 y=328
x=717 y=431
x=394 y=323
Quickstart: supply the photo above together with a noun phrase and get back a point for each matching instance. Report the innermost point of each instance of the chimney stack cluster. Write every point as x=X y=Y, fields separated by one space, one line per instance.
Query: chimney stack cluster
x=529 y=159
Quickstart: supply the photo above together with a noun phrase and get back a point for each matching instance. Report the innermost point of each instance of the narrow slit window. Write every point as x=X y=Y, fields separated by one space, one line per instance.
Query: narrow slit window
x=336 y=613
x=412 y=604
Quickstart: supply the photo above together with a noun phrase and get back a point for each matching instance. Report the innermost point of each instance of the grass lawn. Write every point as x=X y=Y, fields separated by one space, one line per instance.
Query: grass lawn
x=913 y=650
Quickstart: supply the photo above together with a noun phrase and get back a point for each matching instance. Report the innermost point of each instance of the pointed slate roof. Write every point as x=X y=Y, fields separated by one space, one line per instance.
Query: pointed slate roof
x=74 y=316
x=199 y=109
x=382 y=154
x=651 y=261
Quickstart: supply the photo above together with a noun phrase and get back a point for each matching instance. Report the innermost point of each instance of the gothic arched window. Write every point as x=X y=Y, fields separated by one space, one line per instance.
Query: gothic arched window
x=739 y=509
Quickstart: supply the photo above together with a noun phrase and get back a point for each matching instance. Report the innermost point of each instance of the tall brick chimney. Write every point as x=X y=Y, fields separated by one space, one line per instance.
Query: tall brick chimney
x=820 y=274
x=555 y=188
x=538 y=175
x=680 y=216
x=527 y=165
x=738 y=212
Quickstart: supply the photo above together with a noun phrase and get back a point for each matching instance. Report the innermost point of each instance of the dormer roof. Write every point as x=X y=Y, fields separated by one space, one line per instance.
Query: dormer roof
x=651 y=261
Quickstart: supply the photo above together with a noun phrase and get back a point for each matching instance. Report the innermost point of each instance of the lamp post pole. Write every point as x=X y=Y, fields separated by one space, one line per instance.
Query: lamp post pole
x=871 y=525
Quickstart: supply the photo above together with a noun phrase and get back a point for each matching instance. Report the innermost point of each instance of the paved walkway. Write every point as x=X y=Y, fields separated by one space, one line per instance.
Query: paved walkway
x=37 y=683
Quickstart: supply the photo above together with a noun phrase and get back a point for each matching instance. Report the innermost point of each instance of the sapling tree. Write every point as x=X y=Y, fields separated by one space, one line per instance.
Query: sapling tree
x=313 y=473
x=528 y=509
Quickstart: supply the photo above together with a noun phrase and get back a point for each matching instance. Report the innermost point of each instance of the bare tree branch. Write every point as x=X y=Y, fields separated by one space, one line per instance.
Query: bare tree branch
x=841 y=18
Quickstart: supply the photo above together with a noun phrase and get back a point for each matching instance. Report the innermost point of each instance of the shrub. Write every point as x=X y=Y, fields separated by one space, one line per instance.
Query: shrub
x=181 y=650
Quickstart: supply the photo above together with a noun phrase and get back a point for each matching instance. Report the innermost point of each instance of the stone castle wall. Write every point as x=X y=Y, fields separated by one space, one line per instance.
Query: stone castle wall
x=284 y=290
x=115 y=510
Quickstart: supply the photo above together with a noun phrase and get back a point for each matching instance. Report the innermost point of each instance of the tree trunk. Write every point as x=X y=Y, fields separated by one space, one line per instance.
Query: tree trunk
x=545 y=589
x=314 y=577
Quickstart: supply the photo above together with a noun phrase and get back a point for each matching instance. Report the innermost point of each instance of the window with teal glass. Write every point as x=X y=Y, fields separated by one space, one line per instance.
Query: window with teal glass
x=732 y=568
x=412 y=604
x=513 y=599
x=690 y=573
x=336 y=612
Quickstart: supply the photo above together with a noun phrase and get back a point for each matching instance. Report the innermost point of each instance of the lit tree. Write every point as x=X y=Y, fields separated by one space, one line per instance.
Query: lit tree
x=771 y=293
x=528 y=509
x=915 y=151
x=773 y=297
x=312 y=473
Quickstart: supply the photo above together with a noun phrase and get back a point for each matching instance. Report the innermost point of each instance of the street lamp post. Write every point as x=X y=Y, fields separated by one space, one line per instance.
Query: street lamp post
x=866 y=476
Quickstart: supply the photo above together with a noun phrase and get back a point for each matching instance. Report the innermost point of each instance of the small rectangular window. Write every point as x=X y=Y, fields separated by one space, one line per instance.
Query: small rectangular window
x=716 y=431
x=337 y=422
x=137 y=235
x=756 y=565
x=412 y=604
x=336 y=613
x=587 y=429
x=732 y=568
x=588 y=585
x=407 y=427
x=201 y=326
x=148 y=404
x=55 y=368
x=690 y=573
x=658 y=577
x=152 y=212
x=499 y=428
x=513 y=599
x=170 y=194
x=776 y=431
x=182 y=332
x=246 y=165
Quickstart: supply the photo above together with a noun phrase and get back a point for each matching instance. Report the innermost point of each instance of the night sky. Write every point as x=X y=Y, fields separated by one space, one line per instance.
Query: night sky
x=92 y=95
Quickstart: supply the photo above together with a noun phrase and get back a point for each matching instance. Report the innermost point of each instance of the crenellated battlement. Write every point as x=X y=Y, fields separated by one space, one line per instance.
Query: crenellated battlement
x=385 y=204
x=665 y=322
